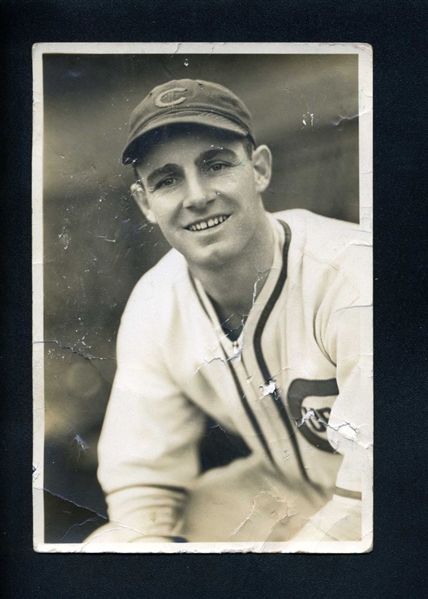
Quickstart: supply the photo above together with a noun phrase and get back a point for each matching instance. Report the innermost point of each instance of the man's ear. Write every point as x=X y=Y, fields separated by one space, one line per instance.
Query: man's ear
x=262 y=163
x=139 y=195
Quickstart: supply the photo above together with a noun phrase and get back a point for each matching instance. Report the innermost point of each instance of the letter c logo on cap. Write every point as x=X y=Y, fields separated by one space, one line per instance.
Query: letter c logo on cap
x=161 y=103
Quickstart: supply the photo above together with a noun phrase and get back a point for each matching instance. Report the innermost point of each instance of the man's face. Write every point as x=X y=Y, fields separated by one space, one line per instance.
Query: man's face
x=204 y=192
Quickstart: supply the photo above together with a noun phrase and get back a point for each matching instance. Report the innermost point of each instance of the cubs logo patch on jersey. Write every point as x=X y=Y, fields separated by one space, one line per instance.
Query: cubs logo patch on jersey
x=310 y=403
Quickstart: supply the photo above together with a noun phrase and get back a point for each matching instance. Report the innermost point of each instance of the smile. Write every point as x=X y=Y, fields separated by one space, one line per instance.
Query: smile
x=208 y=224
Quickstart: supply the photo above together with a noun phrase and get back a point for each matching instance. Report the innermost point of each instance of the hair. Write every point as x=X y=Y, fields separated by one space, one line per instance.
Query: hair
x=162 y=135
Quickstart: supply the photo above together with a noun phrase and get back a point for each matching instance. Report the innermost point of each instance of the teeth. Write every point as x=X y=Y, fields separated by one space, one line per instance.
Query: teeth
x=212 y=222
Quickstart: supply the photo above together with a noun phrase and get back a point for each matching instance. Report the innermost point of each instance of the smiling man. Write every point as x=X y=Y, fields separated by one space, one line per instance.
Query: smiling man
x=203 y=186
x=255 y=321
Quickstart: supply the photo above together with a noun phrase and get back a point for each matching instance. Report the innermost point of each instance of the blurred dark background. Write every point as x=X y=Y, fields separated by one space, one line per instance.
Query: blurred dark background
x=97 y=244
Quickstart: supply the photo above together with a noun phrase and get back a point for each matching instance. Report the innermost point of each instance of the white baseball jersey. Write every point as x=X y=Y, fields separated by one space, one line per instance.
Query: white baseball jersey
x=295 y=385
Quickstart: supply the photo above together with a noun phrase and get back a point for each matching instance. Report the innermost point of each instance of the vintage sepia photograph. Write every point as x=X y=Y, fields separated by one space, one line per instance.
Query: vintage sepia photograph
x=202 y=298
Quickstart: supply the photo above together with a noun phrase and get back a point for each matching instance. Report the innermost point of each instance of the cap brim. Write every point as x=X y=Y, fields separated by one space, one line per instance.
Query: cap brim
x=136 y=146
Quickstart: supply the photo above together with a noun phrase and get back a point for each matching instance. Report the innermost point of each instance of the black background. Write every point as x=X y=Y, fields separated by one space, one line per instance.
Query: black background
x=397 y=565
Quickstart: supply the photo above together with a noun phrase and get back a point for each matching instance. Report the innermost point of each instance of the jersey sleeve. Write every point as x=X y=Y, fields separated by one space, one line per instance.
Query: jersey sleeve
x=347 y=338
x=349 y=428
x=148 y=450
x=350 y=421
x=344 y=324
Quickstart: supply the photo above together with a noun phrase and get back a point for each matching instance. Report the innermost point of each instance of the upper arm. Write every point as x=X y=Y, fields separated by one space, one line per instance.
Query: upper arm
x=348 y=340
x=151 y=430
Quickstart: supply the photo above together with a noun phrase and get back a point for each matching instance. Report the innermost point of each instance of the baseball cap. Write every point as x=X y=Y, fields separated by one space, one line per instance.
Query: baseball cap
x=186 y=101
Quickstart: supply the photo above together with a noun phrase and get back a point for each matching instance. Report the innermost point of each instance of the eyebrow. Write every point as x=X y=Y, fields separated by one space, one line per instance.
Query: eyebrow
x=170 y=168
x=167 y=169
x=210 y=154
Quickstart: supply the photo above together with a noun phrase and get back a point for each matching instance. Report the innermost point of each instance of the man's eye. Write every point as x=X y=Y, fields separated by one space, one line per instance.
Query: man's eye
x=218 y=166
x=168 y=182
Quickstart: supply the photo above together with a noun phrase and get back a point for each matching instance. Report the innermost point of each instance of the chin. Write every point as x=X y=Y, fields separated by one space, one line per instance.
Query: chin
x=210 y=258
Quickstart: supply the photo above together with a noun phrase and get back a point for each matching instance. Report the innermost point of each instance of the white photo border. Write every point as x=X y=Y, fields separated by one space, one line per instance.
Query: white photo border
x=365 y=88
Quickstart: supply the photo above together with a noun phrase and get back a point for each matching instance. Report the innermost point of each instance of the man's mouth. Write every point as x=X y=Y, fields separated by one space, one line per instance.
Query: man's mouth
x=209 y=223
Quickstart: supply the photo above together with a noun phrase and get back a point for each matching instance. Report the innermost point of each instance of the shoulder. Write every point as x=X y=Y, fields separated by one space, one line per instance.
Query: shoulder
x=328 y=257
x=340 y=245
x=323 y=235
x=167 y=273
x=156 y=291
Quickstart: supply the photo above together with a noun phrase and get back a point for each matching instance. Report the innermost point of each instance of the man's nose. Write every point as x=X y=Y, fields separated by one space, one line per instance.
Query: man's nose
x=198 y=193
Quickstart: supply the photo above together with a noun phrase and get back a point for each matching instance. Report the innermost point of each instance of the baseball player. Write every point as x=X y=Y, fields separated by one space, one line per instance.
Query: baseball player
x=256 y=320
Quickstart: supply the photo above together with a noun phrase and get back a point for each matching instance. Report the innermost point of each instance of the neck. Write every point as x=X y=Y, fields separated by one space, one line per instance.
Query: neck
x=234 y=285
